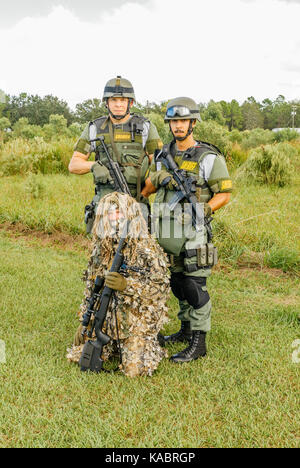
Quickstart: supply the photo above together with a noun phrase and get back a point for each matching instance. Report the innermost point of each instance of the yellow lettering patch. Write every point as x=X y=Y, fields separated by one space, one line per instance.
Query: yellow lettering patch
x=122 y=137
x=188 y=165
x=226 y=184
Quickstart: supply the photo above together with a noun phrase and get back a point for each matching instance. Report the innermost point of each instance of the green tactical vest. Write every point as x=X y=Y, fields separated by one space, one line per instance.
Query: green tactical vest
x=125 y=144
x=173 y=239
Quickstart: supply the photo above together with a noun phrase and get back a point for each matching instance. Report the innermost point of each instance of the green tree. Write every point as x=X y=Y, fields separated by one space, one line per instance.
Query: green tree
x=57 y=126
x=3 y=101
x=267 y=112
x=282 y=111
x=252 y=115
x=90 y=110
x=36 y=109
x=23 y=129
x=232 y=114
x=214 y=112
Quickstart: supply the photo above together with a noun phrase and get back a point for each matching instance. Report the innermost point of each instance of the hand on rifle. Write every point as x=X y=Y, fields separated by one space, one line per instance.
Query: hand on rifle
x=101 y=173
x=163 y=179
x=114 y=280
x=207 y=210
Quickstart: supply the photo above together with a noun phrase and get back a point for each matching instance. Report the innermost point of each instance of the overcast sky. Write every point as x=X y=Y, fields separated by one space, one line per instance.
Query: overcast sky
x=205 y=49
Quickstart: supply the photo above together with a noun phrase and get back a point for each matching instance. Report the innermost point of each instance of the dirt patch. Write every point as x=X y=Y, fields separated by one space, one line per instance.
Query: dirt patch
x=57 y=239
x=81 y=243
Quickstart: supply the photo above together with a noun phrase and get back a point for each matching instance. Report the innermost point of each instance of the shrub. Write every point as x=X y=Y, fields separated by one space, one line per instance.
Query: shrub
x=4 y=123
x=214 y=133
x=22 y=129
x=256 y=137
x=235 y=136
x=287 y=134
x=20 y=156
x=268 y=164
x=237 y=155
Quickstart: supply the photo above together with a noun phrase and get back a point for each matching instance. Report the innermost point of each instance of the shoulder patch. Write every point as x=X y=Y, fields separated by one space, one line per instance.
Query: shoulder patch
x=226 y=184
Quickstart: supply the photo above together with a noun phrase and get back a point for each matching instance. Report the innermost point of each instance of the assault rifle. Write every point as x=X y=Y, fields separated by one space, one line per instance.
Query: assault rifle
x=98 y=305
x=186 y=188
x=119 y=181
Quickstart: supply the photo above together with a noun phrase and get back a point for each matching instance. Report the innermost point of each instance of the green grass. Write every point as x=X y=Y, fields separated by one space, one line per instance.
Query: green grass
x=258 y=220
x=59 y=206
x=244 y=394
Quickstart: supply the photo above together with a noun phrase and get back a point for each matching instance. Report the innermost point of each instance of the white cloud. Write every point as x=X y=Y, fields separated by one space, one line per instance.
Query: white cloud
x=206 y=50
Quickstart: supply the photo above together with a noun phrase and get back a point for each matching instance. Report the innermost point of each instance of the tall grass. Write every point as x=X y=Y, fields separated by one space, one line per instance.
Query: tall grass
x=21 y=156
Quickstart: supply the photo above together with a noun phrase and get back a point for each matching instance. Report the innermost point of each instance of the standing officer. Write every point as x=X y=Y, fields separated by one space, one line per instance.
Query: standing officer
x=192 y=256
x=131 y=140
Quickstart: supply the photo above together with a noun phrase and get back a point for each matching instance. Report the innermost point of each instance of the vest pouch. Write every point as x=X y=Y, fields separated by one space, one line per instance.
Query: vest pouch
x=210 y=254
x=134 y=163
x=172 y=229
x=196 y=252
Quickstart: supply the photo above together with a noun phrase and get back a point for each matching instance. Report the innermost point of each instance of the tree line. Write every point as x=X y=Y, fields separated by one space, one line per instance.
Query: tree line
x=268 y=114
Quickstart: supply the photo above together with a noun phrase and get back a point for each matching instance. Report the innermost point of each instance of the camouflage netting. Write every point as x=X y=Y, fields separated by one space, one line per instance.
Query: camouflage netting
x=141 y=308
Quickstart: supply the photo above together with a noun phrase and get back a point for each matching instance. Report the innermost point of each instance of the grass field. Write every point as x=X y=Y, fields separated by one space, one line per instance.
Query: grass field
x=244 y=394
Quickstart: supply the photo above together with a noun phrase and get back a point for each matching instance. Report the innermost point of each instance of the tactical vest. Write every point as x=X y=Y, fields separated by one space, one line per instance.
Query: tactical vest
x=125 y=144
x=173 y=241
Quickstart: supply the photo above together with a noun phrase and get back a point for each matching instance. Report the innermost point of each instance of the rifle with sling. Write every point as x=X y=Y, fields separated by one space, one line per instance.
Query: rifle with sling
x=185 y=189
x=98 y=305
x=119 y=181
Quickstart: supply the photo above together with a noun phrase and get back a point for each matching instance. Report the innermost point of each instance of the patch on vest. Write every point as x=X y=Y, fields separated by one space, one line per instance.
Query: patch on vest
x=226 y=184
x=122 y=137
x=188 y=165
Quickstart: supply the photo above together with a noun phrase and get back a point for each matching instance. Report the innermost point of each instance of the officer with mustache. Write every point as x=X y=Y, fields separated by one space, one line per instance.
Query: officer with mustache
x=192 y=257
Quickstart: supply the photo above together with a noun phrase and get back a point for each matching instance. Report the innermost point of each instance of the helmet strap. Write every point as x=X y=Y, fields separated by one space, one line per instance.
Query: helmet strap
x=119 y=117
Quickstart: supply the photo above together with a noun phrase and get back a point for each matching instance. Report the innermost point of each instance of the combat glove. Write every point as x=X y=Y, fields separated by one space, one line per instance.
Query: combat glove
x=101 y=173
x=114 y=280
x=163 y=179
x=207 y=210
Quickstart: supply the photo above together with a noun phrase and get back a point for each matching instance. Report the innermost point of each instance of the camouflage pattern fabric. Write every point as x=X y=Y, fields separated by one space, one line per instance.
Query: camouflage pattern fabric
x=141 y=308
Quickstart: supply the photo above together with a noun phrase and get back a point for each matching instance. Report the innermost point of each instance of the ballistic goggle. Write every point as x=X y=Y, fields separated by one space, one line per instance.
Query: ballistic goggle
x=180 y=111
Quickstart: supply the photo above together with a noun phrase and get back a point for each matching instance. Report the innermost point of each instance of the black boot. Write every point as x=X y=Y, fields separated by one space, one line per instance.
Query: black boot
x=182 y=336
x=196 y=349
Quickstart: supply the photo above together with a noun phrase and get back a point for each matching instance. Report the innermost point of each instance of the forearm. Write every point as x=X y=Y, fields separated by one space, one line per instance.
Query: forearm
x=219 y=200
x=80 y=165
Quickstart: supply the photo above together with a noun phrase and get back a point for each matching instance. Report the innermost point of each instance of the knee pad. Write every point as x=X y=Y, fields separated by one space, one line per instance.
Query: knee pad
x=176 y=283
x=194 y=290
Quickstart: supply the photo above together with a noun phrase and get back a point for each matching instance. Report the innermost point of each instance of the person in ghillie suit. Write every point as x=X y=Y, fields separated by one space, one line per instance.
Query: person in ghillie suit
x=138 y=309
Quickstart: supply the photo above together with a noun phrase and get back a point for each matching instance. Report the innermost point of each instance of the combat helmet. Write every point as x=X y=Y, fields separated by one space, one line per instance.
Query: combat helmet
x=118 y=87
x=182 y=108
